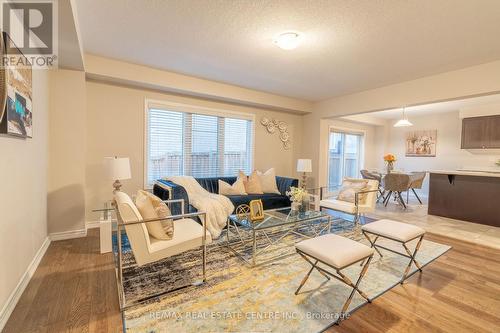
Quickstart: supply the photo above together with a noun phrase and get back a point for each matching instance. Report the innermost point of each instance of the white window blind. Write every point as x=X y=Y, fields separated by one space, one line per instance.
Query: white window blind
x=198 y=145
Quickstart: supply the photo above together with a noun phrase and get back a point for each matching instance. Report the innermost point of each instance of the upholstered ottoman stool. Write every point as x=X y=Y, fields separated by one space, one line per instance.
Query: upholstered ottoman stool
x=338 y=253
x=398 y=232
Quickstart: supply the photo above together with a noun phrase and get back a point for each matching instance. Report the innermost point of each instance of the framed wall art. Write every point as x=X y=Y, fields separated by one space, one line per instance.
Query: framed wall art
x=421 y=143
x=16 y=94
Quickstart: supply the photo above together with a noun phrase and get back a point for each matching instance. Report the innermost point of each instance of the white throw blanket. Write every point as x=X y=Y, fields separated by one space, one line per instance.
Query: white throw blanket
x=217 y=207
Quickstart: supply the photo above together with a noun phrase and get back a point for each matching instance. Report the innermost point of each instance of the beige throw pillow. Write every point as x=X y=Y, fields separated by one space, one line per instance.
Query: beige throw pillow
x=252 y=183
x=163 y=211
x=268 y=181
x=349 y=189
x=151 y=207
x=238 y=188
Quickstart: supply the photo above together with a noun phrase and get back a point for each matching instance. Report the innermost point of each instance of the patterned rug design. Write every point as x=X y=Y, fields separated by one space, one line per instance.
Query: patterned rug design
x=238 y=298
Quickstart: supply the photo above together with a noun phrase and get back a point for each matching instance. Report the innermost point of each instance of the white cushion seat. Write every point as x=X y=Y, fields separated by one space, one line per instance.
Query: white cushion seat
x=334 y=250
x=365 y=205
x=189 y=235
x=399 y=231
x=344 y=206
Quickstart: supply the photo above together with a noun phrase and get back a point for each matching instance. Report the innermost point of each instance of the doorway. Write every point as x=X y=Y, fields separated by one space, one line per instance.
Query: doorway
x=344 y=156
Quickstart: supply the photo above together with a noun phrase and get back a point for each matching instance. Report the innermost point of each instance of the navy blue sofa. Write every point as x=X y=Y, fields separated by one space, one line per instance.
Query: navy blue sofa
x=163 y=188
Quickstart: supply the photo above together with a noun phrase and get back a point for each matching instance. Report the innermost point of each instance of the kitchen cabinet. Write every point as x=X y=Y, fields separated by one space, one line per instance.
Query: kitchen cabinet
x=494 y=132
x=465 y=197
x=481 y=132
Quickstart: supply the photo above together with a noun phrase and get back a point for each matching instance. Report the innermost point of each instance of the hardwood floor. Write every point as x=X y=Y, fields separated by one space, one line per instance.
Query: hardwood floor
x=459 y=292
x=74 y=290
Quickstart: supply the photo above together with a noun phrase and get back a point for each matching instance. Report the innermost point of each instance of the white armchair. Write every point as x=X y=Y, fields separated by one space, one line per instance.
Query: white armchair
x=356 y=208
x=188 y=235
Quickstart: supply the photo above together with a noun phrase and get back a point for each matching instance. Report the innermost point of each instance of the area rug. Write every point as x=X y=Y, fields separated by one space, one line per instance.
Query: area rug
x=238 y=298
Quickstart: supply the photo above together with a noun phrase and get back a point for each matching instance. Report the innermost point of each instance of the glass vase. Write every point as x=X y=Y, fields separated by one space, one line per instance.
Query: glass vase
x=295 y=206
x=304 y=207
x=390 y=167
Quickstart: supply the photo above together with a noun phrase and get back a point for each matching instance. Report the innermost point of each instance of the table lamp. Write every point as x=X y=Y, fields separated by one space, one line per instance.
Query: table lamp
x=117 y=168
x=304 y=166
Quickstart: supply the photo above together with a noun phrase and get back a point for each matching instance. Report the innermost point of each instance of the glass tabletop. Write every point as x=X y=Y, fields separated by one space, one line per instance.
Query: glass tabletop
x=278 y=217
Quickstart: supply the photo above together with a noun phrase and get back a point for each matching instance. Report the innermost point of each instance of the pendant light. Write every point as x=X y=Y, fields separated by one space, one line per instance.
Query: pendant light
x=404 y=122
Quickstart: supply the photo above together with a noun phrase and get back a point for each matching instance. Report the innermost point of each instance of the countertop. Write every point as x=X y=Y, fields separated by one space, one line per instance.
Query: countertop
x=468 y=173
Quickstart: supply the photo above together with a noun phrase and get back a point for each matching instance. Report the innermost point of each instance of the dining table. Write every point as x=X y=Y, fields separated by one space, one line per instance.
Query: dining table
x=410 y=174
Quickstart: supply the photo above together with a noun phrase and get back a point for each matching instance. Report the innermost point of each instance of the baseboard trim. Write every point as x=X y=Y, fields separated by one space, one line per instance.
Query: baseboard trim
x=22 y=284
x=57 y=236
x=92 y=224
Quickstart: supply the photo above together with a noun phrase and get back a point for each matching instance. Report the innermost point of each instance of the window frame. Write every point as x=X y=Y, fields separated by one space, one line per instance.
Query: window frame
x=193 y=109
x=345 y=130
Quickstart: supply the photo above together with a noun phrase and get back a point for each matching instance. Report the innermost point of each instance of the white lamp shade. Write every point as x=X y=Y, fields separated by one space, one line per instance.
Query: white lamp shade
x=304 y=165
x=117 y=168
x=403 y=123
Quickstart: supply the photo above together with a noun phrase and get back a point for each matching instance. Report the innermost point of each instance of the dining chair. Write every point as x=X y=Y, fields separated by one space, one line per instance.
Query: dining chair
x=417 y=181
x=372 y=175
x=396 y=183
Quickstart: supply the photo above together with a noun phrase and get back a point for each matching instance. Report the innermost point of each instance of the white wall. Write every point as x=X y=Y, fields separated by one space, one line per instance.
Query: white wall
x=120 y=72
x=115 y=127
x=482 y=110
x=23 y=194
x=67 y=140
x=448 y=152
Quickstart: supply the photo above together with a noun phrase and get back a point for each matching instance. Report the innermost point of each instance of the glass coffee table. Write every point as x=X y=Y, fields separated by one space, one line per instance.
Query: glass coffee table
x=249 y=240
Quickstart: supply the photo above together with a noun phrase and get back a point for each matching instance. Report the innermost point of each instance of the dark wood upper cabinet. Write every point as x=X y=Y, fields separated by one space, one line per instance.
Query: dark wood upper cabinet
x=494 y=131
x=481 y=132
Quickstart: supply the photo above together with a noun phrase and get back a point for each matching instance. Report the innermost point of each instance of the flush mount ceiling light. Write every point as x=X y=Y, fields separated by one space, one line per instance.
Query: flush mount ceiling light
x=287 y=40
x=404 y=122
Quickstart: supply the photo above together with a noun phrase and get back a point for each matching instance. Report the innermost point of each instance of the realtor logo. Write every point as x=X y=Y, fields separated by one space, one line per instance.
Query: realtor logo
x=32 y=30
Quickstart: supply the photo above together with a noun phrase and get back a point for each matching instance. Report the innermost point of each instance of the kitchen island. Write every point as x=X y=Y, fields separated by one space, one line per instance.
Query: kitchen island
x=465 y=195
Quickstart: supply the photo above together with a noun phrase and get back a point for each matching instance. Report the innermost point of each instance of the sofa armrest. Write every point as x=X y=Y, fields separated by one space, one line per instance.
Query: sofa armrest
x=167 y=190
x=285 y=183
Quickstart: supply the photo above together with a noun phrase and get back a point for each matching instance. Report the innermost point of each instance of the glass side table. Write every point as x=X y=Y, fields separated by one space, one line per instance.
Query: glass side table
x=106 y=222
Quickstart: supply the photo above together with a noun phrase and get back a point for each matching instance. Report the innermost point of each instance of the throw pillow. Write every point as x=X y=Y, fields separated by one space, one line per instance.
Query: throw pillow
x=268 y=181
x=238 y=188
x=162 y=211
x=252 y=183
x=151 y=207
x=349 y=189
x=168 y=225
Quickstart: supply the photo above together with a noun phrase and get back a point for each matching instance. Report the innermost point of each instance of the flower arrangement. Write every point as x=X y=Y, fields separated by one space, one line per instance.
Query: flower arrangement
x=296 y=194
x=390 y=158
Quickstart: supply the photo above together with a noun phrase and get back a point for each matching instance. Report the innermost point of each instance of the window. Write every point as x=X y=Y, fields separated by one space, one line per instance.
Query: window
x=344 y=156
x=198 y=144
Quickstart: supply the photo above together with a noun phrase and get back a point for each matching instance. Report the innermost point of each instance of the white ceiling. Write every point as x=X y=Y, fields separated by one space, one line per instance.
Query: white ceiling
x=349 y=45
x=442 y=107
